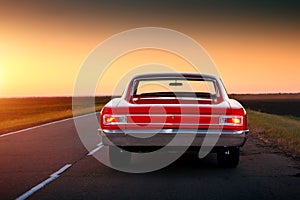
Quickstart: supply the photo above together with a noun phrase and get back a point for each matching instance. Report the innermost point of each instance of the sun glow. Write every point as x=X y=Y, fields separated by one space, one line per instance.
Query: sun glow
x=41 y=54
x=1 y=78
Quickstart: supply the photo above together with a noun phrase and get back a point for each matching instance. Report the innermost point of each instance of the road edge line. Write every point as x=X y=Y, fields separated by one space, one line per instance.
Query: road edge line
x=42 y=125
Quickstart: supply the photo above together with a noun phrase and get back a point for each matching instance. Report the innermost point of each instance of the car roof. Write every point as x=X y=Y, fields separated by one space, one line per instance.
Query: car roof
x=179 y=74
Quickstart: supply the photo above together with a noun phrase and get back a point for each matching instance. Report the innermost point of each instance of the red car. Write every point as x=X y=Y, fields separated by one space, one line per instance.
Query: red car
x=174 y=109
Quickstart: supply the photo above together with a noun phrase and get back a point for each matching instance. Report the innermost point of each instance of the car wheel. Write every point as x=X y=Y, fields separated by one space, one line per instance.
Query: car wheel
x=229 y=157
x=119 y=157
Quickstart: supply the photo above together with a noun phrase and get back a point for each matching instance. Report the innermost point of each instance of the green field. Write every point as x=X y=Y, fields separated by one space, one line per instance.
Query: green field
x=282 y=132
x=19 y=113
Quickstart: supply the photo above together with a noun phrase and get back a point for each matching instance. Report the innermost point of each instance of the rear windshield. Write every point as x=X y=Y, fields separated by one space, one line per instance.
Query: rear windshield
x=199 y=88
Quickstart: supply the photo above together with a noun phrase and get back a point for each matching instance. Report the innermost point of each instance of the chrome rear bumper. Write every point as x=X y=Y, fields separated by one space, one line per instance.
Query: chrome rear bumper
x=163 y=137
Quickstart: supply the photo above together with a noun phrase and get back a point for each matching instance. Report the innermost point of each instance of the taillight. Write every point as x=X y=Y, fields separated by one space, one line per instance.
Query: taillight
x=231 y=120
x=114 y=119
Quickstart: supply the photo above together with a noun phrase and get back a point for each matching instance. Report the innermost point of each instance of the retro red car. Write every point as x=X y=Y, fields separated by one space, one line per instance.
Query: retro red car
x=154 y=108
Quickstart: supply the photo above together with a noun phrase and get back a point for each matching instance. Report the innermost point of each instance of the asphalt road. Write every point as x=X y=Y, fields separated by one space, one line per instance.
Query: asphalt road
x=54 y=155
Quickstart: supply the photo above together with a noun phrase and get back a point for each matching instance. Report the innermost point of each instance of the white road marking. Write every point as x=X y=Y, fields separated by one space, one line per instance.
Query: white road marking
x=99 y=146
x=45 y=182
x=34 y=127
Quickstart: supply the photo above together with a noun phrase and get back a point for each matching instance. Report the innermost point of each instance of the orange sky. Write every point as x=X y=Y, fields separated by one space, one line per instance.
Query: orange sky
x=42 y=46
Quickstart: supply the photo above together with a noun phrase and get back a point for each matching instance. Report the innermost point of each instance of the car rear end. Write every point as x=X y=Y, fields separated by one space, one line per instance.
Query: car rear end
x=174 y=110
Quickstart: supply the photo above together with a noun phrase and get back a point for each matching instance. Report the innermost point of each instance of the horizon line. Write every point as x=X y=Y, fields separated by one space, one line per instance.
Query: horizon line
x=107 y=95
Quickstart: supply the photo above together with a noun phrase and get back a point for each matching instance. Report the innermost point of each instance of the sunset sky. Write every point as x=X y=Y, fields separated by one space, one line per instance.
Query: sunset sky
x=255 y=44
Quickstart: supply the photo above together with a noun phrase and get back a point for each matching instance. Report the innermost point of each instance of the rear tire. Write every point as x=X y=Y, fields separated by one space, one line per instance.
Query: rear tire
x=229 y=157
x=119 y=157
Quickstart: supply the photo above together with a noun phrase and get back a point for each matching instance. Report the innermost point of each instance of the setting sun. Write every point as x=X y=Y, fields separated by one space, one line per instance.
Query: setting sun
x=251 y=57
x=1 y=78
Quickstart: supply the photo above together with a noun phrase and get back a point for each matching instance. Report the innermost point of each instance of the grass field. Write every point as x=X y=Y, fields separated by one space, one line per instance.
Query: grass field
x=280 y=104
x=282 y=132
x=19 y=113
